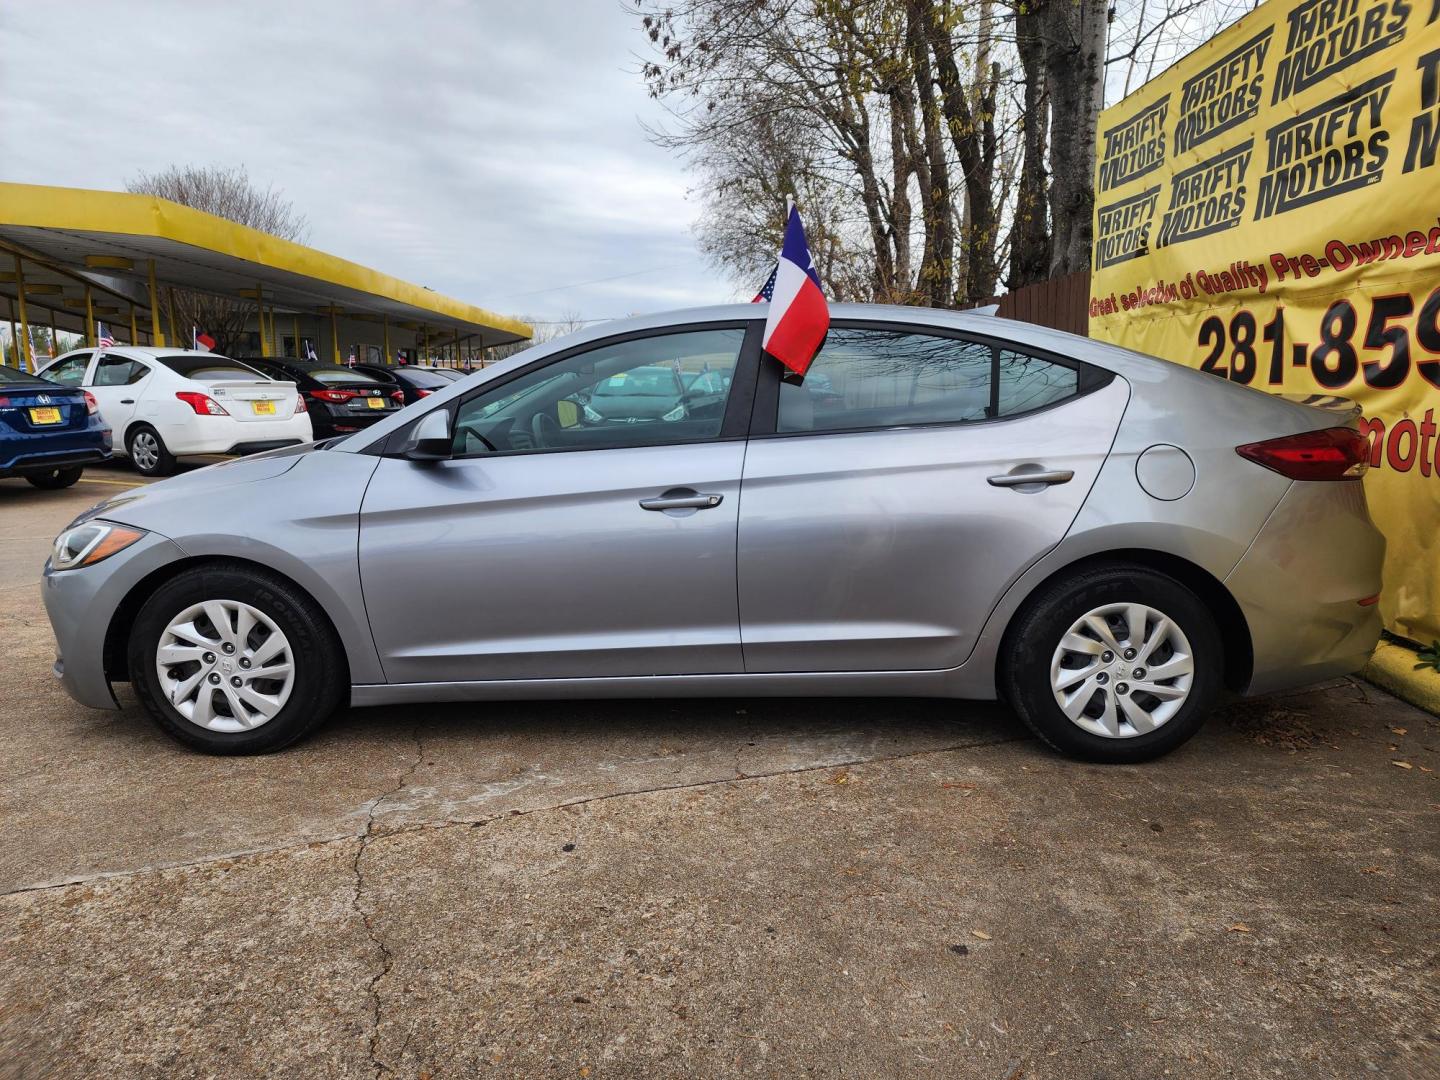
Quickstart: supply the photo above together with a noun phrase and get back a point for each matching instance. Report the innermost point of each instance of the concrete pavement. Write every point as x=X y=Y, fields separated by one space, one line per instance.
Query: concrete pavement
x=660 y=888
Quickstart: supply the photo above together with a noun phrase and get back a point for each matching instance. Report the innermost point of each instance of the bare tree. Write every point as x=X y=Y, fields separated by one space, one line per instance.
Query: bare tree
x=227 y=192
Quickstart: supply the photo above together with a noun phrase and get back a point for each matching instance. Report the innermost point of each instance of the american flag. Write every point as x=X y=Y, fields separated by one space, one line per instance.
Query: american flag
x=767 y=291
x=102 y=336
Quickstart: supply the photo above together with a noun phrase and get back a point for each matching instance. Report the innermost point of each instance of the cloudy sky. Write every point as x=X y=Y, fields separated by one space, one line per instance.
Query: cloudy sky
x=491 y=150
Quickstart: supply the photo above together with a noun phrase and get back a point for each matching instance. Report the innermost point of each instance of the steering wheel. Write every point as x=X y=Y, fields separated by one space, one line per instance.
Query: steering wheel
x=544 y=430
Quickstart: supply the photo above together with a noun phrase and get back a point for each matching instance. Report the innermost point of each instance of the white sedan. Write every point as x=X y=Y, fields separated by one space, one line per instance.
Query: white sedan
x=166 y=403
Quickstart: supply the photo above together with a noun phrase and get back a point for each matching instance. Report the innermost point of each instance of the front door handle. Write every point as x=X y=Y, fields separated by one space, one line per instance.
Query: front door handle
x=1033 y=479
x=689 y=500
x=127 y=401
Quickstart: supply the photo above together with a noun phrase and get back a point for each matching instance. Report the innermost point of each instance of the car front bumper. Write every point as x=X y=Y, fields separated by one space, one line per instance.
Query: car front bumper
x=1301 y=582
x=81 y=605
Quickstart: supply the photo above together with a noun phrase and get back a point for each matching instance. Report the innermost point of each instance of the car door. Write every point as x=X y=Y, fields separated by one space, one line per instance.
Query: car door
x=117 y=382
x=885 y=507
x=557 y=543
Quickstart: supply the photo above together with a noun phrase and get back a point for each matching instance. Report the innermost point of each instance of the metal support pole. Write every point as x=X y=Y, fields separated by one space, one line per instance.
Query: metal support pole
x=24 y=320
x=389 y=356
x=54 y=335
x=157 y=336
x=134 y=331
x=334 y=337
x=14 y=338
x=295 y=329
x=170 y=295
x=90 y=338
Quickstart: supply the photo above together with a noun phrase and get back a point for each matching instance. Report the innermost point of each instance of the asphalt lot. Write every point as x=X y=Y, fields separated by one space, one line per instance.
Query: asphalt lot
x=661 y=888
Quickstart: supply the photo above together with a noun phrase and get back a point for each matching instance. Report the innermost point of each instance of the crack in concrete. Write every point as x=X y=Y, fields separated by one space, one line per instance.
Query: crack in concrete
x=369 y=833
x=387 y=959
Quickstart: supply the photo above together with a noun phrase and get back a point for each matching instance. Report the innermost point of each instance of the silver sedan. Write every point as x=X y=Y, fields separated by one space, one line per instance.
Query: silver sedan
x=946 y=505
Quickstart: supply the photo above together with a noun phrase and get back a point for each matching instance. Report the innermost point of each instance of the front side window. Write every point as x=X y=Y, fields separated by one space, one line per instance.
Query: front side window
x=70 y=371
x=867 y=378
x=640 y=392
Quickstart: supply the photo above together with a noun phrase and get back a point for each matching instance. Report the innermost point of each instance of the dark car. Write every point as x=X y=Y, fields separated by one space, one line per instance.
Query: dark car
x=341 y=399
x=416 y=382
x=48 y=432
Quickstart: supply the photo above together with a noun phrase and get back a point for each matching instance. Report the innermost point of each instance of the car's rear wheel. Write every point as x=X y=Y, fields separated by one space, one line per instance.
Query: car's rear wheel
x=54 y=479
x=1117 y=664
x=148 y=452
x=230 y=660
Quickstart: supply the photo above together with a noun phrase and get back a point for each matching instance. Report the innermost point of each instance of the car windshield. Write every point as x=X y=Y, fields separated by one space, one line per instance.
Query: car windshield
x=15 y=375
x=344 y=377
x=210 y=368
x=641 y=382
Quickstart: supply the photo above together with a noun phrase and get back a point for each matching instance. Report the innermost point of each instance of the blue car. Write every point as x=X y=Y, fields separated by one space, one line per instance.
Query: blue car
x=48 y=432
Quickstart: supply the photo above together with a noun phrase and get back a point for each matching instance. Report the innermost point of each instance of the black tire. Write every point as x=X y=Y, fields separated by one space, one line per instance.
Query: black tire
x=157 y=462
x=319 y=661
x=55 y=479
x=1025 y=677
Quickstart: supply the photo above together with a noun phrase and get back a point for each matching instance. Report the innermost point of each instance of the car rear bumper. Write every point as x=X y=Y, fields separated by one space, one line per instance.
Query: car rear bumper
x=1301 y=582
x=203 y=439
x=81 y=604
x=62 y=459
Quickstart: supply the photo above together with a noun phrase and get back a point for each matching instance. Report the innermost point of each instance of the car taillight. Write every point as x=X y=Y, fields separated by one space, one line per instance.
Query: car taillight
x=398 y=396
x=91 y=405
x=4 y=403
x=1329 y=454
x=423 y=393
x=300 y=405
x=203 y=404
x=334 y=395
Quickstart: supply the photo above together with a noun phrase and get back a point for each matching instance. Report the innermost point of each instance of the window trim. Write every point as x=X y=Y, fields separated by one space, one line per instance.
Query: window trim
x=765 y=417
x=734 y=425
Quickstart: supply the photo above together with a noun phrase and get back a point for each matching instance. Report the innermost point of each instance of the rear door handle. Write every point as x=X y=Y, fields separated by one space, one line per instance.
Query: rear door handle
x=689 y=501
x=1039 y=477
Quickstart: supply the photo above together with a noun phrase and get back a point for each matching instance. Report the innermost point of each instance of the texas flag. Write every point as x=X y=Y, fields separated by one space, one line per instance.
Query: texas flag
x=203 y=342
x=799 y=316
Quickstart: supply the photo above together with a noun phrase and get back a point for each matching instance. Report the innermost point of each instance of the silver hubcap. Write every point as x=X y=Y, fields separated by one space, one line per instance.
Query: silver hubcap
x=144 y=450
x=225 y=666
x=1122 y=670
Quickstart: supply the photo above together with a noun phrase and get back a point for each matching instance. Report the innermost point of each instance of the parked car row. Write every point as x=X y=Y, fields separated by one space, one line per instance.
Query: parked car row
x=155 y=406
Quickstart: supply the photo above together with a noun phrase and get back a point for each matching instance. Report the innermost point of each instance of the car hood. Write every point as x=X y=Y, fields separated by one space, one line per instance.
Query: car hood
x=135 y=507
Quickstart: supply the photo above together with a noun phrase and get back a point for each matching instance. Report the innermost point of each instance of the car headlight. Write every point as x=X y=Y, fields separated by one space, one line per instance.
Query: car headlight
x=591 y=416
x=677 y=413
x=87 y=544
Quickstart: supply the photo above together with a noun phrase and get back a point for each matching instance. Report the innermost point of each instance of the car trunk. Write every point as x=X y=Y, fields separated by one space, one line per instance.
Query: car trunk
x=41 y=408
x=259 y=399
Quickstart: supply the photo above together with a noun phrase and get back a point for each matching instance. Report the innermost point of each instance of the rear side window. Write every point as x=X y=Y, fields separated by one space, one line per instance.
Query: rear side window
x=210 y=368
x=119 y=371
x=868 y=378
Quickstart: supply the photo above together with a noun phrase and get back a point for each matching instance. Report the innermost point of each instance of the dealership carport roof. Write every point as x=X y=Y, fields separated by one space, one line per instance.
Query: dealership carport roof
x=71 y=256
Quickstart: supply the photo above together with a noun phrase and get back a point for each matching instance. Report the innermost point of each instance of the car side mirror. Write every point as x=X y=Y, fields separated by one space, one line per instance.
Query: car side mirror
x=430 y=439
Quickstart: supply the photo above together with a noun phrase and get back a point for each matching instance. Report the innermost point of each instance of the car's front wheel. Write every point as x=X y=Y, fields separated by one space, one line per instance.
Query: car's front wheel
x=231 y=660
x=148 y=452
x=54 y=479
x=1117 y=664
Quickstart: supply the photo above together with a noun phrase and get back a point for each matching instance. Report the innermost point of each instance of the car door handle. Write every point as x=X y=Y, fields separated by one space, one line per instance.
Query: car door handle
x=127 y=401
x=692 y=501
x=1039 y=477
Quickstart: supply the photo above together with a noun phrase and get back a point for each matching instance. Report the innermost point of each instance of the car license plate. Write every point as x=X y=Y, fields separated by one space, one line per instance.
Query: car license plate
x=376 y=403
x=45 y=416
x=263 y=408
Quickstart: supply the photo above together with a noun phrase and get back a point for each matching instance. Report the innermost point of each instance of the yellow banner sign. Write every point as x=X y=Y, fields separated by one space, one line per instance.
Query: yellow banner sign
x=1268 y=210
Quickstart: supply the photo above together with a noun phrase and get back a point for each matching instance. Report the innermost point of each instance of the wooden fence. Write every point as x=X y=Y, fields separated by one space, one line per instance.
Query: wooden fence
x=1063 y=303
